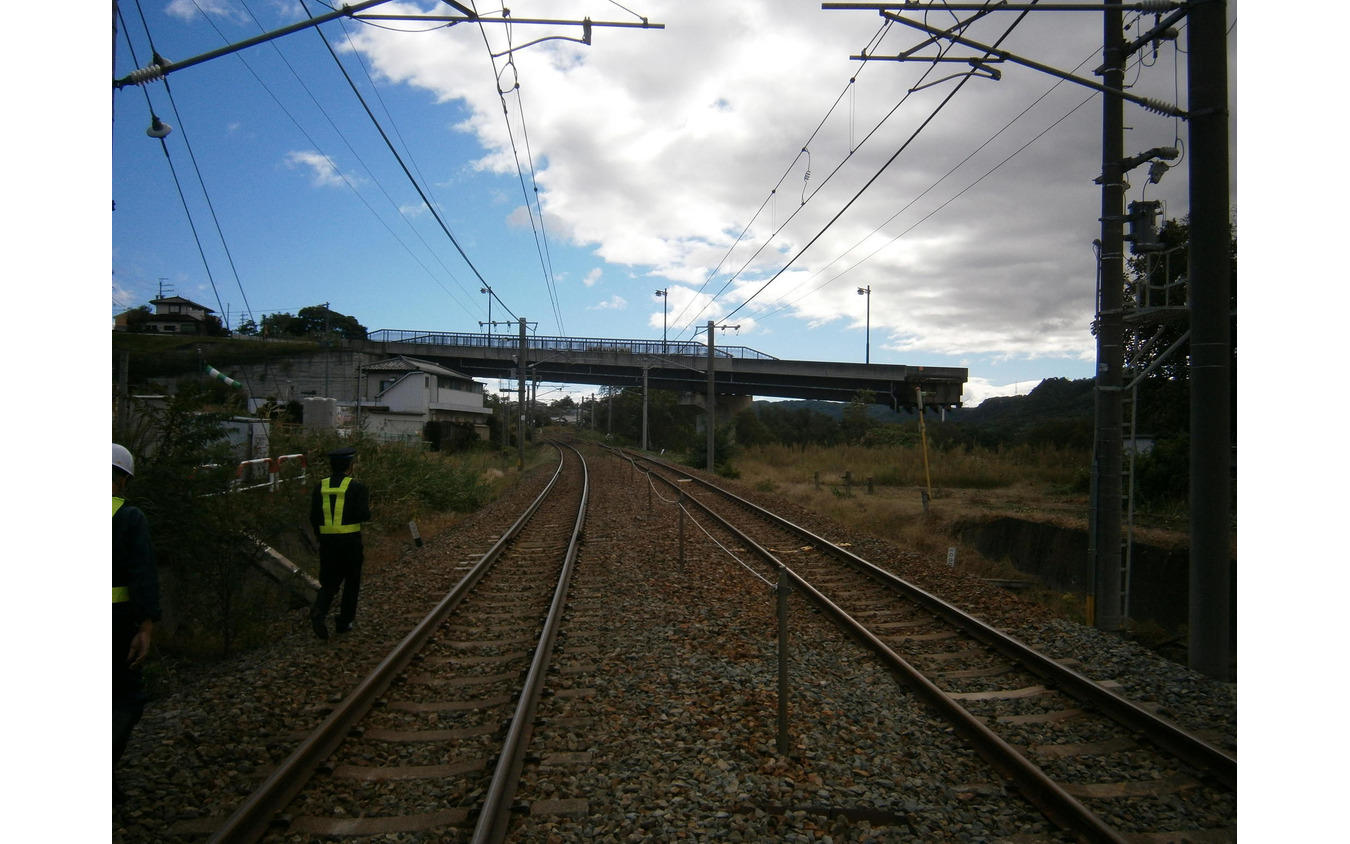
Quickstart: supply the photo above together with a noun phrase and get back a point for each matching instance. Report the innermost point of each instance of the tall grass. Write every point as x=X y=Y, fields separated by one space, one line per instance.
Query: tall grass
x=902 y=466
x=966 y=483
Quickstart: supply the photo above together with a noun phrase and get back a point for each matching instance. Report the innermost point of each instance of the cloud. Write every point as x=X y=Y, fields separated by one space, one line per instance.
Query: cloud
x=613 y=303
x=323 y=172
x=968 y=249
x=215 y=9
x=978 y=389
x=593 y=277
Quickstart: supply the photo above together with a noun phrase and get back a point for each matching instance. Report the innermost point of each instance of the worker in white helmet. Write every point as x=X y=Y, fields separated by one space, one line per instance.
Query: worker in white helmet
x=135 y=607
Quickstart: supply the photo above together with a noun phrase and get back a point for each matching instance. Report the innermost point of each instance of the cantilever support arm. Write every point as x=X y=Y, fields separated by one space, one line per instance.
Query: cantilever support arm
x=159 y=68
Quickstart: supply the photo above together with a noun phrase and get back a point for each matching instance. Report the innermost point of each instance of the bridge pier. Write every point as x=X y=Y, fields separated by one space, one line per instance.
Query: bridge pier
x=728 y=407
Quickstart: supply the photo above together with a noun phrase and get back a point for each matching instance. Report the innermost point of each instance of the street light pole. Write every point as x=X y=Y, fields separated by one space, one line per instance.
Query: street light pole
x=867 y=291
x=488 y=291
x=664 y=293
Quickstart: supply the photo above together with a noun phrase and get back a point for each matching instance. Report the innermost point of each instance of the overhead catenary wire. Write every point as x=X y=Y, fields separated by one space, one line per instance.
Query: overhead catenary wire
x=403 y=165
x=1000 y=132
x=197 y=170
x=904 y=146
x=538 y=229
x=872 y=44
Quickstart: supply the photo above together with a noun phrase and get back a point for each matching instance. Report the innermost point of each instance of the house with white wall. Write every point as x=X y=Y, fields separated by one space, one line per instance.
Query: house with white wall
x=401 y=395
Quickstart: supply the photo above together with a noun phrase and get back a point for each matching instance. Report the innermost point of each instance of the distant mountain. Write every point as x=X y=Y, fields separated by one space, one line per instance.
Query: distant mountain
x=1052 y=399
x=1058 y=410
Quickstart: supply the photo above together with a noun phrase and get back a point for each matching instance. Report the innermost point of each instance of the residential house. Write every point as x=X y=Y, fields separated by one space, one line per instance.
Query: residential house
x=173 y=315
x=408 y=398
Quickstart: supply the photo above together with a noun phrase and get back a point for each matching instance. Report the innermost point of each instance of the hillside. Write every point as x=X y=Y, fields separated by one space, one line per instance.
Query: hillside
x=1056 y=404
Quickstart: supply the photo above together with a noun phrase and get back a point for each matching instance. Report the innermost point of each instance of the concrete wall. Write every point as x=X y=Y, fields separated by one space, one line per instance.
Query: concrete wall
x=1057 y=557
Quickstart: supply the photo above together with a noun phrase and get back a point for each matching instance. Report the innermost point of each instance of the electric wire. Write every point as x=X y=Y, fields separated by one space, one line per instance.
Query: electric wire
x=173 y=171
x=187 y=144
x=873 y=44
x=1001 y=131
x=339 y=171
x=904 y=146
x=768 y=200
x=333 y=164
x=539 y=231
x=398 y=158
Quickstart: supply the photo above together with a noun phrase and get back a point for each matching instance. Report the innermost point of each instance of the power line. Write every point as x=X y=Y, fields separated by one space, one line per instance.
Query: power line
x=383 y=135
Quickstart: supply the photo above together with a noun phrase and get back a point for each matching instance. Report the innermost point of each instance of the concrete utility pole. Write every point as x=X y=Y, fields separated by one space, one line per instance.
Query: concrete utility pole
x=711 y=419
x=1106 y=612
x=1211 y=343
x=520 y=434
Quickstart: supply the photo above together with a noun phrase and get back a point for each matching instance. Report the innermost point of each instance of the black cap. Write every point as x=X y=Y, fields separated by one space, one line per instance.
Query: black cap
x=341 y=459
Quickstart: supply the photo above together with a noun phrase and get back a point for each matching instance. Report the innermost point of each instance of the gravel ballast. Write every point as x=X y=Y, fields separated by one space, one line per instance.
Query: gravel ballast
x=660 y=723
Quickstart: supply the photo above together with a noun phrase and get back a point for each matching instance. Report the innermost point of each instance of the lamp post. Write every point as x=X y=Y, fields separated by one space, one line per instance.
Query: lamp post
x=867 y=291
x=488 y=291
x=664 y=293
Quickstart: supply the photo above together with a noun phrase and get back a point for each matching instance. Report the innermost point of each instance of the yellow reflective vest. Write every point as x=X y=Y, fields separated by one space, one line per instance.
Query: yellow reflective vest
x=120 y=593
x=333 y=499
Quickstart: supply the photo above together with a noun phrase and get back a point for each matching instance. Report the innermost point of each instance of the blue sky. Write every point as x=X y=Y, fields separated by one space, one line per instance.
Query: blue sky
x=673 y=159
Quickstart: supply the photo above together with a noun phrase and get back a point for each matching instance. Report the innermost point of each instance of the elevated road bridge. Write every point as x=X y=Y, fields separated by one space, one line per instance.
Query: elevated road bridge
x=679 y=366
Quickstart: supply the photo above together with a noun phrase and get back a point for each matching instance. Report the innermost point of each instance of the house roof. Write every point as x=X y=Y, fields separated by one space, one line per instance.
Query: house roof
x=407 y=364
x=179 y=300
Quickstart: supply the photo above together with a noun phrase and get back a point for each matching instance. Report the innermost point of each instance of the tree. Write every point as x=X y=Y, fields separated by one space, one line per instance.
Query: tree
x=1156 y=284
x=313 y=321
x=857 y=418
x=1156 y=293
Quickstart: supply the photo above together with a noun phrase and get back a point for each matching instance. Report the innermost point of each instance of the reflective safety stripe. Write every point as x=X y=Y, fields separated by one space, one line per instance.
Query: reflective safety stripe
x=334 y=499
x=121 y=594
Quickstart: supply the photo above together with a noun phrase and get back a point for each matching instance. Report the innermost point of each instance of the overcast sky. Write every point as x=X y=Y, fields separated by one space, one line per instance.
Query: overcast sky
x=738 y=157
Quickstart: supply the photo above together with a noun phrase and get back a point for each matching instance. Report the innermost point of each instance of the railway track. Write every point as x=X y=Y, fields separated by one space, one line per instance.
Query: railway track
x=434 y=740
x=1083 y=754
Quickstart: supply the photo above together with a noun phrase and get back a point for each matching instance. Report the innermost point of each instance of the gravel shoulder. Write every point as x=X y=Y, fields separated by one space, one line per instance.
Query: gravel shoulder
x=682 y=698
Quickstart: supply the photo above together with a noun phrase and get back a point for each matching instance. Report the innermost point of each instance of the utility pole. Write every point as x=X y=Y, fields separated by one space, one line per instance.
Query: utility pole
x=520 y=434
x=1211 y=343
x=1105 y=611
x=711 y=419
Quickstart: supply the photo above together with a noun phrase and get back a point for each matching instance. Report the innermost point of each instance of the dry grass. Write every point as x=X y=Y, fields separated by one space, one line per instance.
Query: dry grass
x=1038 y=484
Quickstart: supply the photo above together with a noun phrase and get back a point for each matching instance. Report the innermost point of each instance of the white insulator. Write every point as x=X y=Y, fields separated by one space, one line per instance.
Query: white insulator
x=1160 y=107
x=145 y=74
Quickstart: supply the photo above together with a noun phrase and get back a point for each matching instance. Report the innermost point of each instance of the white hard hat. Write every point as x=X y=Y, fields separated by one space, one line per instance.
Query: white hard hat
x=122 y=459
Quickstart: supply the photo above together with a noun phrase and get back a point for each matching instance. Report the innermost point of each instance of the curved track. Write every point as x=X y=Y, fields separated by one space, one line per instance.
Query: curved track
x=1076 y=749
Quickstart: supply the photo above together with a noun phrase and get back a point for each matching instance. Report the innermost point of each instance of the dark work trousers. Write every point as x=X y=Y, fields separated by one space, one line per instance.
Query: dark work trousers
x=128 y=692
x=340 y=559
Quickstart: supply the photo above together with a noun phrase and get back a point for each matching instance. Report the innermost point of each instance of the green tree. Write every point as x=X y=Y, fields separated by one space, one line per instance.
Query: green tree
x=857 y=417
x=313 y=321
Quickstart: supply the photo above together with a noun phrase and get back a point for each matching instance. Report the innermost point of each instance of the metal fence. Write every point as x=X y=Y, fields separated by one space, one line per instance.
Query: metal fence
x=511 y=343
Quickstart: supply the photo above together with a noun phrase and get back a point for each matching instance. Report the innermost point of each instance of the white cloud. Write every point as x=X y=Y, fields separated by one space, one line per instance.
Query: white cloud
x=215 y=9
x=593 y=277
x=323 y=172
x=978 y=389
x=613 y=303
x=654 y=166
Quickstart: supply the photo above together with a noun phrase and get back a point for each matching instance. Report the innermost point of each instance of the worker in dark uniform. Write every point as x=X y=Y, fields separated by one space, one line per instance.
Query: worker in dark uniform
x=135 y=606
x=338 y=507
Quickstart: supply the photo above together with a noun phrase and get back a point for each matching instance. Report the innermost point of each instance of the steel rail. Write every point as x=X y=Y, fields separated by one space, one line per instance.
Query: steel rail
x=1039 y=789
x=1158 y=730
x=495 y=815
x=253 y=817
